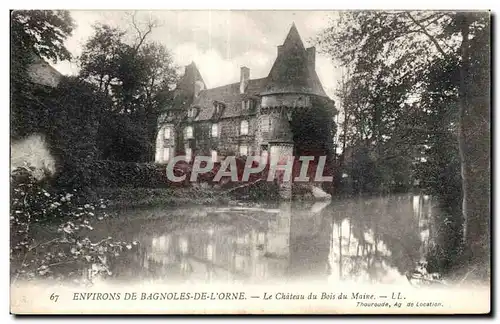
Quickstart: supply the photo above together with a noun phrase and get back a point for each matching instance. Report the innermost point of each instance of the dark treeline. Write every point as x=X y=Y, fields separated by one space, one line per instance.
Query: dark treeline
x=415 y=96
x=108 y=111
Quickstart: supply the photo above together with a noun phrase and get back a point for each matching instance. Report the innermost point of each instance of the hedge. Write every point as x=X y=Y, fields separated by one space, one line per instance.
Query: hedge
x=114 y=174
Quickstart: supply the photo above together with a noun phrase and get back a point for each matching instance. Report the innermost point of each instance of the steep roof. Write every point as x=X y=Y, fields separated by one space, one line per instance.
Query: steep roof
x=186 y=87
x=190 y=77
x=41 y=72
x=230 y=96
x=292 y=72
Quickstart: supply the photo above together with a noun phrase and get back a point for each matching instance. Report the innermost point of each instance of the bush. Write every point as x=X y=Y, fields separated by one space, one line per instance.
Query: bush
x=115 y=174
x=68 y=251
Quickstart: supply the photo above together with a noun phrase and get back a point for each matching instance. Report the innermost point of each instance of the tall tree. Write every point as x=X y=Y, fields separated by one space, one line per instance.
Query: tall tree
x=39 y=32
x=137 y=76
x=34 y=34
x=100 y=56
x=387 y=47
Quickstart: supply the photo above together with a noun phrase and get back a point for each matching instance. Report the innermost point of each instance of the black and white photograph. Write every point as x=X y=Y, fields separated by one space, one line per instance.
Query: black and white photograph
x=250 y=162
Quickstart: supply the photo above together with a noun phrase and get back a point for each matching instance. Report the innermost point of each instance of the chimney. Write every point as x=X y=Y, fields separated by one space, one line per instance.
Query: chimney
x=311 y=57
x=244 y=77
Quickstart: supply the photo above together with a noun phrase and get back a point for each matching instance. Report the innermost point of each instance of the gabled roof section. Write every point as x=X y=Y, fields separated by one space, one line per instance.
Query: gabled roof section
x=190 y=77
x=230 y=96
x=41 y=72
x=292 y=72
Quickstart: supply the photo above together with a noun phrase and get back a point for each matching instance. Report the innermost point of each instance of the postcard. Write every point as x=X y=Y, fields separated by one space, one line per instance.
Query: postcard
x=250 y=162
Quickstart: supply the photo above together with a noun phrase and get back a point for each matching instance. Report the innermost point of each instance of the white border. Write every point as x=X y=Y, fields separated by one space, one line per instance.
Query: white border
x=214 y=4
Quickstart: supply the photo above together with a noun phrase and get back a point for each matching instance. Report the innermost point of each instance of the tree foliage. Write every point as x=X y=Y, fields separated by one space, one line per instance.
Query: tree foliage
x=137 y=78
x=419 y=81
x=38 y=33
x=34 y=34
x=69 y=253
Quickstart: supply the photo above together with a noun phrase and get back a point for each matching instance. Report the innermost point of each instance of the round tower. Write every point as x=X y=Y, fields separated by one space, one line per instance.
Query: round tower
x=291 y=86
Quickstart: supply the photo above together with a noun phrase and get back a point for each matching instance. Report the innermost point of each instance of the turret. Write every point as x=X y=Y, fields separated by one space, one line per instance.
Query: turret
x=293 y=70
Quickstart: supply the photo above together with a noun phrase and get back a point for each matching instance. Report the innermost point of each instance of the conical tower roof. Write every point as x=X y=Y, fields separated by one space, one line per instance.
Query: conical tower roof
x=292 y=72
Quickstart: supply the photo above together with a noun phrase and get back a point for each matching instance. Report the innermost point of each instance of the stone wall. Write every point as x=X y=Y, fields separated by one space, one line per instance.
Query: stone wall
x=228 y=140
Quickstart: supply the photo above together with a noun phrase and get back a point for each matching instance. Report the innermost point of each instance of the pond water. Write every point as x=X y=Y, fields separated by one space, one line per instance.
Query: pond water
x=369 y=240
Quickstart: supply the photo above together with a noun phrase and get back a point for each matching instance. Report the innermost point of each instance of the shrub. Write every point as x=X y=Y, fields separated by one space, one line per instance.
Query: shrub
x=128 y=174
x=69 y=251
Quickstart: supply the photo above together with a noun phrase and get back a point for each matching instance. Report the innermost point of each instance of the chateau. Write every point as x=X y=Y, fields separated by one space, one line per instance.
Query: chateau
x=285 y=113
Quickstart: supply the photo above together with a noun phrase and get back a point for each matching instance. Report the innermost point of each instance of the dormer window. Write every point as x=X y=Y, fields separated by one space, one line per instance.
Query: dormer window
x=192 y=112
x=244 y=127
x=218 y=107
x=246 y=104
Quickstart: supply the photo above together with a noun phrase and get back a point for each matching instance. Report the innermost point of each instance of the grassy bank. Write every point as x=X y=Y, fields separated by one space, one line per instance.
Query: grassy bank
x=142 y=197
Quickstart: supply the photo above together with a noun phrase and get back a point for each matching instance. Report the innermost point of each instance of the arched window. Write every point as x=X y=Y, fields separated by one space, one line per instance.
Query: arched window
x=189 y=132
x=215 y=130
x=167 y=133
x=244 y=127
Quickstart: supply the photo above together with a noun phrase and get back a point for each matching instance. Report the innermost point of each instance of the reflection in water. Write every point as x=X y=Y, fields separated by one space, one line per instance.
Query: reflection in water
x=365 y=240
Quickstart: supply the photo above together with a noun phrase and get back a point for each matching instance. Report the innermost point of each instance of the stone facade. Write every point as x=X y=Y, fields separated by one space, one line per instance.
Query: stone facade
x=245 y=118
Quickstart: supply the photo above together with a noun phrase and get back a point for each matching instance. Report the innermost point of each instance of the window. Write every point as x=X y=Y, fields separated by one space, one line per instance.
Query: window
x=274 y=155
x=264 y=156
x=215 y=130
x=189 y=132
x=243 y=150
x=244 y=127
x=166 y=154
x=192 y=112
x=218 y=108
x=189 y=153
x=246 y=104
x=166 y=133
x=265 y=124
x=214 y=156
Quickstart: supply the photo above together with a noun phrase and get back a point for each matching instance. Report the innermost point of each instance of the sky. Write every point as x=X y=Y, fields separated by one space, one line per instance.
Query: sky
x=218 y=41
